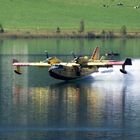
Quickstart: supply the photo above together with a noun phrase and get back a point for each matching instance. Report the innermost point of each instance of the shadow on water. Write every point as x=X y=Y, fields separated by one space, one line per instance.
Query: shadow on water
x=86 y=80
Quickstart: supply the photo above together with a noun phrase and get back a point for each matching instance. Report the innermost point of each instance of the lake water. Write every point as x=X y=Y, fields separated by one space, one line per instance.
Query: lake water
x=103 y=106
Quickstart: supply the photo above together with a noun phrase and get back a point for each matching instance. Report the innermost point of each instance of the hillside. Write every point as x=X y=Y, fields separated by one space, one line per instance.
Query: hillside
x=67 y=14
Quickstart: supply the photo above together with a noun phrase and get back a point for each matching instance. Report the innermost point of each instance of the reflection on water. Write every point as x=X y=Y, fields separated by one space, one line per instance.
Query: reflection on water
x=105 y=105
x=88 y=108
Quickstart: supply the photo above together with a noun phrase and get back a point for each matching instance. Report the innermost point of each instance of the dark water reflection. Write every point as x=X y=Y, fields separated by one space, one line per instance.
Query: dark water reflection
x=103 y=106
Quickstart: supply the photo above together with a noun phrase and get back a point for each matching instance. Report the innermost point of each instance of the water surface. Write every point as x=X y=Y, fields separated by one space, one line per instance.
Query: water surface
x=102 y=106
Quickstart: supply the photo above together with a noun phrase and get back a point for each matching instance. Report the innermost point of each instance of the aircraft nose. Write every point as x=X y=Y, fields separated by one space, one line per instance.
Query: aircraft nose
x=52 y=68
x=55 y=67
x=54 y=72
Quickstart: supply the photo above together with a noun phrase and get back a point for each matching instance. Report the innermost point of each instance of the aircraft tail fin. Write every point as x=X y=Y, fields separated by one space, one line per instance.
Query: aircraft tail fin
x=95 y=54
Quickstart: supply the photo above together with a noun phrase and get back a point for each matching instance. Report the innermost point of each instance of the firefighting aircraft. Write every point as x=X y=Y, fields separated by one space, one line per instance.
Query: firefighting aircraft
x=79 y=67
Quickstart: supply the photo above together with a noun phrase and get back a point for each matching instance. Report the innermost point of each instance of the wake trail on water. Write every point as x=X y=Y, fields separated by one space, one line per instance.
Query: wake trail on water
x=114 y=74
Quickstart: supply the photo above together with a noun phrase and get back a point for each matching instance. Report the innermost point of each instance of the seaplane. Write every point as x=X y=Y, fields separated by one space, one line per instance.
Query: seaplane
x=79 y=67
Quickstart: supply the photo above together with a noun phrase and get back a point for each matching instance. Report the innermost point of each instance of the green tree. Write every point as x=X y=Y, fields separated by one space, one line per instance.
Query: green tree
x=103 y=33
x=82 y=26
x=123 y=30
x=1 y=29
x=58 y=30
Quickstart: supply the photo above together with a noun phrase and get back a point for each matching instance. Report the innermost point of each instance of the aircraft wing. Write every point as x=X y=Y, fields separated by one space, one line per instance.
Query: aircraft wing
x=46 y=63
x=69 y=64
x=26 y=64
x=109 y=63
x=105 y=63
x=98 y=63
x=37 y=64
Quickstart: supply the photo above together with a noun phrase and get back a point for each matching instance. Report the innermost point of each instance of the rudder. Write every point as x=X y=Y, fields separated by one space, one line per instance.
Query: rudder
x=95 y=54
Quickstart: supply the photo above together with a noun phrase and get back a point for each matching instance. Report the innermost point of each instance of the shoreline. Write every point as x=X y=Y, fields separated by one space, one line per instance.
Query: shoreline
x=68 y=34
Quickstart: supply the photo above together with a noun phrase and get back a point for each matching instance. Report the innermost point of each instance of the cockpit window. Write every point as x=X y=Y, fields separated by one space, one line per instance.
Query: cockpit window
x=58 y=66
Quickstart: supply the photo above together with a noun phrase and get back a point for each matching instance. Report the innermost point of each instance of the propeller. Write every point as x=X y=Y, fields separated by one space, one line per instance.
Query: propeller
x=76 y=59
x=46 y=53
x=47 y=56
x=73 y=54
x=51 y=60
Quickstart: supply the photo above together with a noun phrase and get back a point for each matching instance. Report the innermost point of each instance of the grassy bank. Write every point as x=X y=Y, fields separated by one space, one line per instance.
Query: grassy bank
x=68 y=34
x=34 y=15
